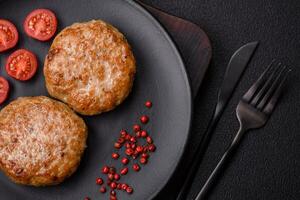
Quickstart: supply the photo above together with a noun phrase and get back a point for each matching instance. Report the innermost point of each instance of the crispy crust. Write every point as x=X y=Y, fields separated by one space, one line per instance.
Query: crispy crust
x=41 y=141
x=90 y=66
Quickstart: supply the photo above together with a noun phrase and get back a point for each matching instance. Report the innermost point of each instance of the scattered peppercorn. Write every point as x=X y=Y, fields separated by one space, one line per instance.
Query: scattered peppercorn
x=123 y=133
x=134 y=150
x=149 y=140
x=136 y=128
x=117 y=145
x=124 y=171
x=144 y=134
x=103 y=189
x=115 y=156
x=136 y=167
x=99 y=181
x=148 y=104
x=124 y=186
x=144 y=119
x=113 y=193
x=117 y=177
x=143 y=160
x=110 y=176
x=152 y=147
x=113 y=185
x=105 y=170
x=125 y=161
x=129 y=151
x=129 y=190
x=138 y=134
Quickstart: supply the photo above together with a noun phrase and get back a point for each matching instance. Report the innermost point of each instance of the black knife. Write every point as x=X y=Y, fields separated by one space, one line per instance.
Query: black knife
x=235 y=69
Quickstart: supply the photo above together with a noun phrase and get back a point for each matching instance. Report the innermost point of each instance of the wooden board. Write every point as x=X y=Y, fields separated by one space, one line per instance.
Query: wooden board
x=192 y=42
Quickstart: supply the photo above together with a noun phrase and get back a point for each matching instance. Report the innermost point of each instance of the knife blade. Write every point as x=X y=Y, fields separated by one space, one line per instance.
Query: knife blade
x=234 y=71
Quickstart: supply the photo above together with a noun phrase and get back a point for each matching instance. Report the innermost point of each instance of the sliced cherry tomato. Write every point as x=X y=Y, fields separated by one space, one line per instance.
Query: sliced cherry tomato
x=21 y=64
x=8 y=35
x=41 y=24
x=4 y=89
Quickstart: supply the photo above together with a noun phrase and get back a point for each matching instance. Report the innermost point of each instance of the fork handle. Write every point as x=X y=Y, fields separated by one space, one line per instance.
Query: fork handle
x=220 y=166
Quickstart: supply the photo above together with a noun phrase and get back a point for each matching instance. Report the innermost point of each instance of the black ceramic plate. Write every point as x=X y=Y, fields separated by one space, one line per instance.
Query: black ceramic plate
x=161 y=77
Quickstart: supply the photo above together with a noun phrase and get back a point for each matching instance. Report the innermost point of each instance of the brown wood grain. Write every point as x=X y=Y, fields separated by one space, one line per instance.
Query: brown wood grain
x=192 y=42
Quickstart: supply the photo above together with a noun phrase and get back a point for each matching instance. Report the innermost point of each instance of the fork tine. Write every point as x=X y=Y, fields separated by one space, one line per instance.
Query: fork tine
x=250 y=93
x=272 y=102
x=272 y=88
x=266 y=85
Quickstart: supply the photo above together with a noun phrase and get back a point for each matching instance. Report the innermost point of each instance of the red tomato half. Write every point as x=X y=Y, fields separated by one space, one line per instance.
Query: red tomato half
x=21 y=65
x=8 y=35
x=4 y=89
x=41 y=24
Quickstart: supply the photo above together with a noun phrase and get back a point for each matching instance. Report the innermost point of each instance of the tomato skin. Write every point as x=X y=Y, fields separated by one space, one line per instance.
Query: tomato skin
x=5 y=26
x=21 y=68
x=36 y=26
x=4 y=89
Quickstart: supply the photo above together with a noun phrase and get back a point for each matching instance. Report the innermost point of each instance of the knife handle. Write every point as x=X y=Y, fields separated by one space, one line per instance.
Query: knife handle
x=198 y=155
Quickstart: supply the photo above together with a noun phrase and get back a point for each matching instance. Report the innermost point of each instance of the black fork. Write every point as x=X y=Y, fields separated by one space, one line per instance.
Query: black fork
x=253 y=111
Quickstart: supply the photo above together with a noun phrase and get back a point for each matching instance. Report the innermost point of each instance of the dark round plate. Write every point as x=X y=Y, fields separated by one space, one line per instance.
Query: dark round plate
x=161 y=77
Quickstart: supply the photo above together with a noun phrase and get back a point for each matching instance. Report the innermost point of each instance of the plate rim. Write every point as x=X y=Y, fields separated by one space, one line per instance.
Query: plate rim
x=188 y=85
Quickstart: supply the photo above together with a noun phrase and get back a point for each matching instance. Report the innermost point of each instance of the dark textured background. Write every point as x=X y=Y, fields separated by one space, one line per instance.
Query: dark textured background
x=267 y=164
